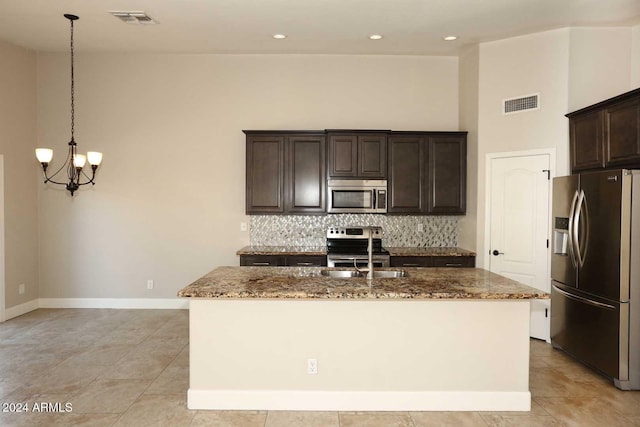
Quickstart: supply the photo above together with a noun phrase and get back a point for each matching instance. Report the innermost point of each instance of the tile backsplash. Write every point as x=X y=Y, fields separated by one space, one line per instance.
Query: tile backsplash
x=310 y=230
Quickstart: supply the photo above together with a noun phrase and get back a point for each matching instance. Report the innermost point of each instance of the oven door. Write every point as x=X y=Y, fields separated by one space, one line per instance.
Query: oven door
x=360 y=261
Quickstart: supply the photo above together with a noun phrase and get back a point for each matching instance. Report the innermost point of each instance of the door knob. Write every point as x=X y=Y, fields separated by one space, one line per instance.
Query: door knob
x=497 y=252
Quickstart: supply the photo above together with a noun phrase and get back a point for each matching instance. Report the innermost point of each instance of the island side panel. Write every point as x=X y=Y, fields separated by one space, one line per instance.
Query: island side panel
x=371 y=354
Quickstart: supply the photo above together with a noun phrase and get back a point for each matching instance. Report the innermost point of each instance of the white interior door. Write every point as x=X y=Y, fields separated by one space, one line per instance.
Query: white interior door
x=519 y=221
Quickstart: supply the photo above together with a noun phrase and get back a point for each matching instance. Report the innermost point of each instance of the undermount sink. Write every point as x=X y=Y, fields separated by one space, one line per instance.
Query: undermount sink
x=377 y=274
x=341 y=273
x=385 y=274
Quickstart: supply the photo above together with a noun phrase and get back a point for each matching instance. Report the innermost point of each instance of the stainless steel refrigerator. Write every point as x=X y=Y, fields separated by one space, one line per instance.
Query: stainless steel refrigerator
x=595 y=272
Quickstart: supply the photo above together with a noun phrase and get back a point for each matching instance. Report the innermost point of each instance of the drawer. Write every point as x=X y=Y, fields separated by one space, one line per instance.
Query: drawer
x=411 y=261
x=454 y=261
x=262 y=260
x=306 y=261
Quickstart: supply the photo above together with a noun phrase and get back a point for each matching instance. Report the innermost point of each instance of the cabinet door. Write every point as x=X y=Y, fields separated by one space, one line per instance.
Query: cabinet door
x=265 y=174
x=622 y=130
x=306 y=183
x=262 y=260
x=343 y=156
x=447 y=166
x=411 y=261
x=372 y=156
x=406 y=181
x=306 y=261
x=586 y=139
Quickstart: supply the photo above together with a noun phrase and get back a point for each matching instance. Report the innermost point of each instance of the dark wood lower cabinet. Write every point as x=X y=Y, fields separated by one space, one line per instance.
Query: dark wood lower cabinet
x=262 y=260
x=433 y=261
x=283 y=260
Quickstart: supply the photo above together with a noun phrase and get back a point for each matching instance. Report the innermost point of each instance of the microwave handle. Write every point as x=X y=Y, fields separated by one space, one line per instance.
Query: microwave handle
x=375 y=193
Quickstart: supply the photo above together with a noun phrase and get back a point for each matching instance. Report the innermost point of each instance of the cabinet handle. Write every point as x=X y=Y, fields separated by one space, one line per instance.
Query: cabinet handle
x=452 y=265
x=260 y=263
x=304 y=263
x=410 y=265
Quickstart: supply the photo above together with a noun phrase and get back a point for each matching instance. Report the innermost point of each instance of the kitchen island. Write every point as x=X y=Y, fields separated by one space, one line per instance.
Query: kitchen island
x=438 y=339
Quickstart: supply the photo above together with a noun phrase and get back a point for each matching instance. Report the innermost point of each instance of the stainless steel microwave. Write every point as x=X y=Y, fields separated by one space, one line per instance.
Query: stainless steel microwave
x=357 y=196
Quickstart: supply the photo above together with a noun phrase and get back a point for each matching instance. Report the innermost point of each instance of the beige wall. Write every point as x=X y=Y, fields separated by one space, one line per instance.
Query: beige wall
x=635 y=57
x=599 y=64
x=536 y=63
x=17 y=142
x=169 y=197
x=469 y=62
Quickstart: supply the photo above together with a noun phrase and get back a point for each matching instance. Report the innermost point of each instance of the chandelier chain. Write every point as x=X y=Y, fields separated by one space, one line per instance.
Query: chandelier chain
x=72 y=87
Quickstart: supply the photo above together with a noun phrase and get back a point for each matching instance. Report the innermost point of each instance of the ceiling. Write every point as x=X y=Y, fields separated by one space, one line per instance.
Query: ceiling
x=409 y=27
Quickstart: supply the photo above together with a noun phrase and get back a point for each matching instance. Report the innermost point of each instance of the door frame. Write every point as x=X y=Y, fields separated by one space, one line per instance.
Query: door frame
x=2 y=270
x=551 y=152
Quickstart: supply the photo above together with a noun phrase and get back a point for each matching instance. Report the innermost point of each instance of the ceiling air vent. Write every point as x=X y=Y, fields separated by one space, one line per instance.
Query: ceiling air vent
x=521 y=103
x=136 y=18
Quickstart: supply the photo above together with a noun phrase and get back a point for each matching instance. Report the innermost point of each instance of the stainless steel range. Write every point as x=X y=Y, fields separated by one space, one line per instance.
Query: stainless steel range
x=347 y=247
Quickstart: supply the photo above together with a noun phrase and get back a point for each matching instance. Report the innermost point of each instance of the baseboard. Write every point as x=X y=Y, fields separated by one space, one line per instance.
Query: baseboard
x=131 y=303
x=20 y=309
x=295 y=400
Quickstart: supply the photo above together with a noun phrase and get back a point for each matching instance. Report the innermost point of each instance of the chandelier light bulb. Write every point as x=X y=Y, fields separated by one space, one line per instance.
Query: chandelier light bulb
x=44 y=155
x=94 y=158
x=79 y=160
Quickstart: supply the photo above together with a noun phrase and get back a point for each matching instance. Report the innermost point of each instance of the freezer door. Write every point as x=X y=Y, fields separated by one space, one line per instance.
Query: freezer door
x=598 y=232
x=563 y=264
x=589 y=330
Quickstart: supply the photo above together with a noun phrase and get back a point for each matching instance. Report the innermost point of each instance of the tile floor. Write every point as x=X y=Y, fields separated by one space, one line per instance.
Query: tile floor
x=130 y=368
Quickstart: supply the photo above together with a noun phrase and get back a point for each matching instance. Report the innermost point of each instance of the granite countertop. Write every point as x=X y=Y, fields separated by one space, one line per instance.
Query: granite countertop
x=322 y=250
x=308 y=283
x=429 y=251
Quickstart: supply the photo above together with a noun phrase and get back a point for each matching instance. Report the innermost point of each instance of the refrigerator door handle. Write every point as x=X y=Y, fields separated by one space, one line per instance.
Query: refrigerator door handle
x=580 y=247
x=584 y=300
x=572 y=239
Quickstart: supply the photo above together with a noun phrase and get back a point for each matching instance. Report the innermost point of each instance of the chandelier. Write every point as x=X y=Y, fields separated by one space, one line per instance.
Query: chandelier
x=75 y=162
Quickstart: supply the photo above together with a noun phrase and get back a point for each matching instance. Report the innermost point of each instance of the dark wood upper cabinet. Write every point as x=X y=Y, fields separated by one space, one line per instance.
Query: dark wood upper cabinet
x=343 y=155
x=586 y=137
x=447 y=166
x=606 y=134
x=622 y=130
x=265 y=174
x=357 y=155
x=427 y=173
x=286 y=172
x=406 y=183
x=306 y=181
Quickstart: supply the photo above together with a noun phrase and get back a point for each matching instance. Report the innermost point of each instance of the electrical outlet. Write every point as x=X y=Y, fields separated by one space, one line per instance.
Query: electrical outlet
x=243 y=226
x=312 y=366
x=21 y=288
x=420 y=228
x=149 y=284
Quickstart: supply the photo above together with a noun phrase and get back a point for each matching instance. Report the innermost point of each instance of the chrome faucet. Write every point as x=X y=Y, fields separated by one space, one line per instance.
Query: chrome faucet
x=370 y=252
x=369 y=268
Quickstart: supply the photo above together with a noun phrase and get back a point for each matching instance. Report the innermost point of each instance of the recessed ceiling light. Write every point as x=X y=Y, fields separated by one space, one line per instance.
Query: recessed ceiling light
x=450 y=38
x=279 y=36
x=375 y=36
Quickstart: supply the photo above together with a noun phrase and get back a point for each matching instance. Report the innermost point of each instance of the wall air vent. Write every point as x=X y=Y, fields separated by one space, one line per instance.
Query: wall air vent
x=521 y=104
x=135 y=18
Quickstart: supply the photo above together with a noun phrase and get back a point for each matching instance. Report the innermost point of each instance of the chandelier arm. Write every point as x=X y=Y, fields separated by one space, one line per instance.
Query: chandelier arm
x=52 y=181
x=93 y=175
